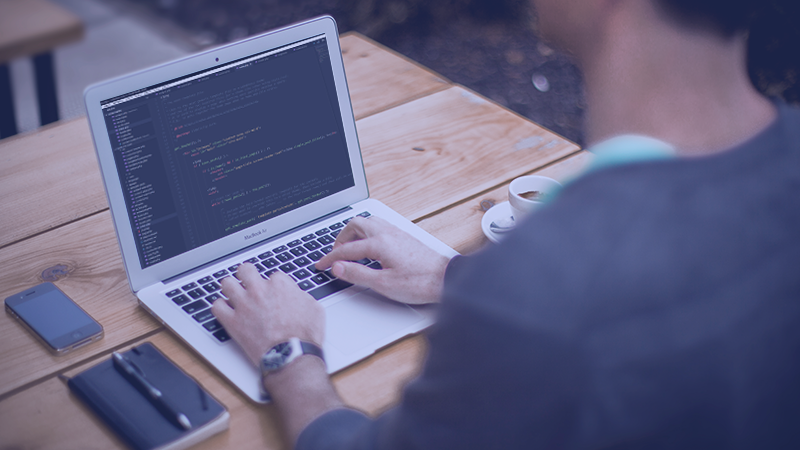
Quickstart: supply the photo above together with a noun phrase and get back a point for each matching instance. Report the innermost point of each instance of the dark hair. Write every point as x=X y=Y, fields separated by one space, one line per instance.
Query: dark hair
x=773 y=61
x=725 y=16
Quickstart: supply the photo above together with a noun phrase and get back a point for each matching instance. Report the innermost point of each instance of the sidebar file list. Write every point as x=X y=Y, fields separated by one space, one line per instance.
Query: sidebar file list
x=144 y=185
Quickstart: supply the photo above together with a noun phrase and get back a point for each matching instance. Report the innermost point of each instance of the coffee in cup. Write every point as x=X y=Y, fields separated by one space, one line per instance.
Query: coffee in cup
x=527 y=193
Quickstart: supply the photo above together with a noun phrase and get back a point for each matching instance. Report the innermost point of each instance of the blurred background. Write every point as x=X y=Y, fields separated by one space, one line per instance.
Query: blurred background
x=489 y=46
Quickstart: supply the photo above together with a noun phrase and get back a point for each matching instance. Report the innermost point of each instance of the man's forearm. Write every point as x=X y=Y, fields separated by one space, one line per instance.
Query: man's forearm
x=302 y=392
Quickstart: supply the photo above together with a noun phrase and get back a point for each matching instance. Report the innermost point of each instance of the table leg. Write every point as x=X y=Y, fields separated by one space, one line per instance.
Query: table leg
x=8 y=121
x=46 y=87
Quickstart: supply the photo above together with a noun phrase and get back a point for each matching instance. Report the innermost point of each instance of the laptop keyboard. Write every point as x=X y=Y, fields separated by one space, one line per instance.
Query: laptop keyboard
x=295 y=258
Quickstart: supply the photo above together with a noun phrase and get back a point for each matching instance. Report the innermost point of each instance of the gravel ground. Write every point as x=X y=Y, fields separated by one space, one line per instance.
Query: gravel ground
x=489 y=46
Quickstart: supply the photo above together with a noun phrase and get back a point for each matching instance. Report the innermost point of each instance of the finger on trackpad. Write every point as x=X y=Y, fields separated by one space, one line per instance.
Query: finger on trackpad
x=364 y=319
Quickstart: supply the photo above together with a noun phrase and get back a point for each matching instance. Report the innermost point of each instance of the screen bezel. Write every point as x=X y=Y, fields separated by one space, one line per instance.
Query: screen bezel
x=139 y=277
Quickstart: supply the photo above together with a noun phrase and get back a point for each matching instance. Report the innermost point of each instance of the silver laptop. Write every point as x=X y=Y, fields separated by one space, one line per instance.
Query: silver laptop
x=246 y=152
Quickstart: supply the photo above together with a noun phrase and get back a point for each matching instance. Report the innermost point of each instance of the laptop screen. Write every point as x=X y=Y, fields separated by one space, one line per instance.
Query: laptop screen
x=215 y=152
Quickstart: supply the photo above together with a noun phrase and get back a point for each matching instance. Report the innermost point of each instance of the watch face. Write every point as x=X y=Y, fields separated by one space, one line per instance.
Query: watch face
x=276 y=357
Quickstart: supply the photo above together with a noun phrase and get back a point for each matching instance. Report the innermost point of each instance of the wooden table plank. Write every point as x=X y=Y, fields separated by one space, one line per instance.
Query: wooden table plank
x=380 y=79
x=35 y=197
x=87 y=250
x=48 y=178
x=28 y=27
x=470 y=145
x=460 y=226
x=371 y=386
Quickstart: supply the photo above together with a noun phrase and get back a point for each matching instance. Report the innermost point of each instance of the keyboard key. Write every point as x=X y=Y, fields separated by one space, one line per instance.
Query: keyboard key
x=284 y=257
x=297 y=251
x=316 y=256
x=309 y=237
x=335 y=233
x=196 y=293
x=189 y=286
x=320 y=279
x=194 y=307
x=269 y=272
x=301 y=274
x=328 y=289
x=305 y=285
x=234 y=267
x=346 y=221
x=301 y=261
x=327 y=249
x=260 y=268
x=288 y=267
x=375 y=265
x=364 y=261
x=265 y=255
x=280 y=249
x=313 y=269
x=326 y=240
x=222 y=335
x=203 y=315
x=294 y=243
x=212 y=325
x=173 y=292
x=205 y=280
x=180 y=300
x=329 y=273
x=313 y=245
x=213 y=297
x=365 y=214
x=211 y=287
x=322 y=232
x=220 y=274
x=270 y=263
x=336 y=226
x=252 y=260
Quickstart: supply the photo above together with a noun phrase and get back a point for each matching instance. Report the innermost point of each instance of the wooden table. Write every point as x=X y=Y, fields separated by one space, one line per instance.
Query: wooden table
x=55 y=224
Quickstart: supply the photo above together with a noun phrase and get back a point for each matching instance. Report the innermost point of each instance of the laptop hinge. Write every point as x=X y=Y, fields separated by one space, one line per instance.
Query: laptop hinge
x=257 y=244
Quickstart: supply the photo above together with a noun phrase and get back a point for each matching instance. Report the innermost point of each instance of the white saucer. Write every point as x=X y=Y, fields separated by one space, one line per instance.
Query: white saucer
x=495 y=213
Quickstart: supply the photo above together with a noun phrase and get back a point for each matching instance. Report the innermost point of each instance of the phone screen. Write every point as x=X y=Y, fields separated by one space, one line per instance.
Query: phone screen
x=53 y=316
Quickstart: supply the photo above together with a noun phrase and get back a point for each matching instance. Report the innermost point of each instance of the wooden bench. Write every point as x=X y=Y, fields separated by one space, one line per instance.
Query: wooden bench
x=33 y=28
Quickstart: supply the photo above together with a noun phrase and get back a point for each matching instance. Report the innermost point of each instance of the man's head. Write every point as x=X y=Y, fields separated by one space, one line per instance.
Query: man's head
x=573 y=25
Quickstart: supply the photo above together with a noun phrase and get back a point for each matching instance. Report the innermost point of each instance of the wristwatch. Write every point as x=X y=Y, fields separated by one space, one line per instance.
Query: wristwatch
x=284 y=353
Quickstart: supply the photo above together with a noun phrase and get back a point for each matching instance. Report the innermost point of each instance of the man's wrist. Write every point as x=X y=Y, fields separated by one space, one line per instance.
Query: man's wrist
x=302 y=392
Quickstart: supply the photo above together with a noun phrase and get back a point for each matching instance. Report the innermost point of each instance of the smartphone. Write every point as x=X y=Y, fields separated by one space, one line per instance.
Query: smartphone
x=54 y=318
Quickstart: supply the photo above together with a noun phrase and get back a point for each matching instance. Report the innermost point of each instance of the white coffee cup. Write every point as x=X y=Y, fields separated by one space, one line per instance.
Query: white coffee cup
x=539 y=190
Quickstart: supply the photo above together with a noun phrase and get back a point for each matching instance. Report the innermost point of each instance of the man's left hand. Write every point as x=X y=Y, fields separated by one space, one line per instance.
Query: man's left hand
x=259 y=313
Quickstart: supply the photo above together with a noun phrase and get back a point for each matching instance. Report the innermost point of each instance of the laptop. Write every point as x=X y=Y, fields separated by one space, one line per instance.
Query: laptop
x=247 y=152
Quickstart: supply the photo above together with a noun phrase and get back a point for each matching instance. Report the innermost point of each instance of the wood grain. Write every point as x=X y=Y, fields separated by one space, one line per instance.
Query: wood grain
x=28 y=27
x=48 y=178
x=381 y=79
x=468 y=145
x=87 y=250
x=372 y=386
x=460 y=226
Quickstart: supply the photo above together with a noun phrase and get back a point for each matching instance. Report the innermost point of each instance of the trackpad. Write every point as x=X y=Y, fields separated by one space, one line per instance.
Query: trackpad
x=364 y=319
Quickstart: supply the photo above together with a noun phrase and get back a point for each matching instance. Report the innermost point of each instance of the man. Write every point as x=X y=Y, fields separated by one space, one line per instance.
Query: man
x=652 y=305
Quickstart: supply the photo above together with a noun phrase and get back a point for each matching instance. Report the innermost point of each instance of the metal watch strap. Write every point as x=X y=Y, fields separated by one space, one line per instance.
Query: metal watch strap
x=311 y=349
x=277 y=357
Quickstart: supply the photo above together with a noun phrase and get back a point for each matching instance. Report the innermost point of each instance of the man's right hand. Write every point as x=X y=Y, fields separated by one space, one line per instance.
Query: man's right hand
x=412 y=272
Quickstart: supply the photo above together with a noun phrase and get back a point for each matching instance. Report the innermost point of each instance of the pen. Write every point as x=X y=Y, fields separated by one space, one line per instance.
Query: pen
x=127 y=369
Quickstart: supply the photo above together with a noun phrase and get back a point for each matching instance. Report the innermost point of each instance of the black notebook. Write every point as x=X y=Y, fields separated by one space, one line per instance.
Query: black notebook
x=134 y=418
